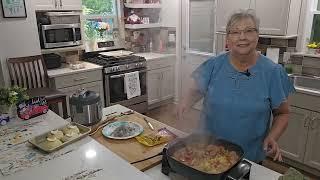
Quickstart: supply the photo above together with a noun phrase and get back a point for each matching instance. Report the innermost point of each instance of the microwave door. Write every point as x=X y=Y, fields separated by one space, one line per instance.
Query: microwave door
x=59 y=35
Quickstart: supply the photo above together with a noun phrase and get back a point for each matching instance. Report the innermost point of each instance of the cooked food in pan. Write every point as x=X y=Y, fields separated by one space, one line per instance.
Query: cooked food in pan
x=212 y=159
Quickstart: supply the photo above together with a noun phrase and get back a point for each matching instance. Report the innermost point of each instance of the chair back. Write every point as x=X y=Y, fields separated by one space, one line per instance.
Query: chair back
x=28 y=72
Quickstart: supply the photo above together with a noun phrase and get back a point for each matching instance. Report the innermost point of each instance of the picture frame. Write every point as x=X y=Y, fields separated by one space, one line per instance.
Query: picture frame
x=14 y=8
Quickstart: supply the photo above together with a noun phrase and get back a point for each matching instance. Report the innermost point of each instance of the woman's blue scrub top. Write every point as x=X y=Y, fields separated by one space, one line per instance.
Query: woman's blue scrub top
x=238 y=106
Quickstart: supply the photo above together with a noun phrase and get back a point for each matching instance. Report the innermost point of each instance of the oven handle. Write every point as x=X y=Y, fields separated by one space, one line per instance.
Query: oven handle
x=122 y=75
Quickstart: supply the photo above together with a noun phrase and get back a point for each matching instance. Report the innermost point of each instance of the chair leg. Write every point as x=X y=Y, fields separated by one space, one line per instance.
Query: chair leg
x=63 y=101
x=64 y=108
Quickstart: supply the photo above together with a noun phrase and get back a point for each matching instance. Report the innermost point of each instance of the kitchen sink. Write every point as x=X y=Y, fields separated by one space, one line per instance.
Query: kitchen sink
x=306 y=82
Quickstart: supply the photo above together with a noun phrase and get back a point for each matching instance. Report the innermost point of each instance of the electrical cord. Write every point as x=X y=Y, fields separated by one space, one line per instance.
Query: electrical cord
x=159 y=154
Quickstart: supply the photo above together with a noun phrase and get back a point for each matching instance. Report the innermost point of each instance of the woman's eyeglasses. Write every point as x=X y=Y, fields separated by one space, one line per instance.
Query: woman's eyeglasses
x=246 y=32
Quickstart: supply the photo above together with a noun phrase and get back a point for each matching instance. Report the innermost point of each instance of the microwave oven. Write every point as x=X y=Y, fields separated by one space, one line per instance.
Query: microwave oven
x=60 y=35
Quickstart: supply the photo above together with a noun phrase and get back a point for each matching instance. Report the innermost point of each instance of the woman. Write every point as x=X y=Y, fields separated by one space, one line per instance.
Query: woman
x=241 y=89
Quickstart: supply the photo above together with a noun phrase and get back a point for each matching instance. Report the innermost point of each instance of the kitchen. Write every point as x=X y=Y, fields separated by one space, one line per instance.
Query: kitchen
x=166 y=35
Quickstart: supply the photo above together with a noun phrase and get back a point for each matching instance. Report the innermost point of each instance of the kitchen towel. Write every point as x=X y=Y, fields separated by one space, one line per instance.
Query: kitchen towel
x=132 y=84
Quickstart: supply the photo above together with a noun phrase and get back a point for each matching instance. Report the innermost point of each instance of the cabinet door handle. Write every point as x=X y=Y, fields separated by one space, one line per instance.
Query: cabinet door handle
x=306 y=121
x=60 y=3
x=314 y=122
x=55 y=3
x=80 y=79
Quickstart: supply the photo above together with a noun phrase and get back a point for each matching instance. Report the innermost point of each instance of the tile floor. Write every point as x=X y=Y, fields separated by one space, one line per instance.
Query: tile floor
x=167 y=115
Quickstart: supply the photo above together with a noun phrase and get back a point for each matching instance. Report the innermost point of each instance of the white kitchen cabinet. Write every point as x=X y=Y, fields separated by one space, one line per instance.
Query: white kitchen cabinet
x=167 y=83
x=277 y=17
x=160 y=85
x=227 y=7
x=154 y=80
x=160 y=78
x=69 y=83
x=298 y=130
x=58 y=5
x=46 y=4
x=93 y=86
x=70 y=5
x=312 y=156
x=300 y=142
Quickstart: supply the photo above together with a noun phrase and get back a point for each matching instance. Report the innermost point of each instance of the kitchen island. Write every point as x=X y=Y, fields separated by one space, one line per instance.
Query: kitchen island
x=84 y=159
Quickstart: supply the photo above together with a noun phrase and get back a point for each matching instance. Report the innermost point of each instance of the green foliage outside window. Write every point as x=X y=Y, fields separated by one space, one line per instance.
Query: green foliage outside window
x=98 y=7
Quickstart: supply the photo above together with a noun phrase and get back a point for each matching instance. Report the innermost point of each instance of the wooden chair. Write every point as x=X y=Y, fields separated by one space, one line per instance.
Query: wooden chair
x=31 y=73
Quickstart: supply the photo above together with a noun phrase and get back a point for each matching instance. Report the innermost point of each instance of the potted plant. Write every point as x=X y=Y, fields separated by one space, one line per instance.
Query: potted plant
x=313 y=48
x=9 y=97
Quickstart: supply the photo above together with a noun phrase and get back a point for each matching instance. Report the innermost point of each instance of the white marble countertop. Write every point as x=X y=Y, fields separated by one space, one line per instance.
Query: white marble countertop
x=88 y=158
x=65 y=70
x=153 y=56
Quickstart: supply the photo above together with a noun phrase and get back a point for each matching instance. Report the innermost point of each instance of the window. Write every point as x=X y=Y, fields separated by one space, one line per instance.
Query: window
x=315 y=27
x=100 y=20
x=201 y=25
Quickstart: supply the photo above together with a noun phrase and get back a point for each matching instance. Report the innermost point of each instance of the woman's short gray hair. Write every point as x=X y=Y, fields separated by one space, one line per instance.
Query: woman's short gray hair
x=243 y=14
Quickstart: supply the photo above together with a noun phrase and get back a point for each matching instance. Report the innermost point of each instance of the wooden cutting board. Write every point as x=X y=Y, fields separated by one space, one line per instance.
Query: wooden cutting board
x=131 y=150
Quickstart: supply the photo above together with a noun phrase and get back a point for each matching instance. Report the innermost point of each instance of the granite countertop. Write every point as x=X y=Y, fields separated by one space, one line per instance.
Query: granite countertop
x=153 y=56
x=65 y=70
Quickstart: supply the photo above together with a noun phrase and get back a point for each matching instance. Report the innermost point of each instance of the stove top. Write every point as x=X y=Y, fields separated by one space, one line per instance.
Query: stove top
x=108 y=61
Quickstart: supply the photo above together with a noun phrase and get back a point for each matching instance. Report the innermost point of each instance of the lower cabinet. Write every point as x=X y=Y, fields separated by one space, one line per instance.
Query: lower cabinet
x=160 y=84
x=70 y=83
x=300 y=141
x=312 y=156
x=293 y=140
x=93 y=86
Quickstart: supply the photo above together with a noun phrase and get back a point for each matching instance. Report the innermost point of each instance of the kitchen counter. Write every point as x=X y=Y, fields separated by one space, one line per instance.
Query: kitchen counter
x=65 y=70
x=83 y=159
x=154 y=56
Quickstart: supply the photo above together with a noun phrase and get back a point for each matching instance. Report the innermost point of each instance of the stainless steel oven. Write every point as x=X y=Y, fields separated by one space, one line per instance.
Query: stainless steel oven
x=116 y=64
x=115 y=90
x=61 y=35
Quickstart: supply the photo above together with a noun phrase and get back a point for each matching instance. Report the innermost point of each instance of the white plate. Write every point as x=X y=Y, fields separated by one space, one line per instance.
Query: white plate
x=136 y=129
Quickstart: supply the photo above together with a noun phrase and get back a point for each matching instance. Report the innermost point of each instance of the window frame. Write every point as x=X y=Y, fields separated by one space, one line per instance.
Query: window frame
x=311 y=11
x=113 y=16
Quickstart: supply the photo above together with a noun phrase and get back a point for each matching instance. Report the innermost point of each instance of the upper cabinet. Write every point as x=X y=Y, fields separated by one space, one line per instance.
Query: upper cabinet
x=277 y=17
x=58 y=4
x=225 y=8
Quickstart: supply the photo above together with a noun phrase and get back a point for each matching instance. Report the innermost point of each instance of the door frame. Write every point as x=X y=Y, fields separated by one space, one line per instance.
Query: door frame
x=183 y=43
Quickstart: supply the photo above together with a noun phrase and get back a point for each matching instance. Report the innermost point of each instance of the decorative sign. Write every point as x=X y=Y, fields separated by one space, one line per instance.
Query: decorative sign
x=14 y=8
x=32 y=107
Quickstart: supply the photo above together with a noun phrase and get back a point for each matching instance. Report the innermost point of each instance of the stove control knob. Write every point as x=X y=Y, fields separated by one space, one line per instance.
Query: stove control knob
x=118 y=68
x=141 y=64
x=127 y=66
x=137 y=65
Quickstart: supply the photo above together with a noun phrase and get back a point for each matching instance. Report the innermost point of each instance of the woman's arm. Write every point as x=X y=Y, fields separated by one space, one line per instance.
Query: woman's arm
x=279 y=125
x=190 y=98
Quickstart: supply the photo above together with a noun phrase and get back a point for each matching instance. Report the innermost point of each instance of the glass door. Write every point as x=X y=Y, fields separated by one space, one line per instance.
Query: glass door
x=198 y=37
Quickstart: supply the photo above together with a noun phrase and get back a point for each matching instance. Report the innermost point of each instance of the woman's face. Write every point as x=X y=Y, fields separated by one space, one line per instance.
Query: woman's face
x=242 y=38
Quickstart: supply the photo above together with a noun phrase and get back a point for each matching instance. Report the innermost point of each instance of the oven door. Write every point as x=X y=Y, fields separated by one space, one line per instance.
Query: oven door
x=115 y=90
x=61 y=35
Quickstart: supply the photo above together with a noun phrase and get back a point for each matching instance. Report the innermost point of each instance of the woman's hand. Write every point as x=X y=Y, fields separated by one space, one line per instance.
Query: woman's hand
x=271 y=146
